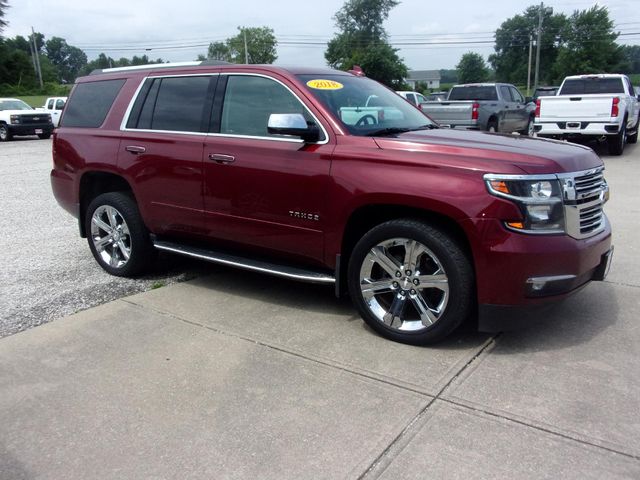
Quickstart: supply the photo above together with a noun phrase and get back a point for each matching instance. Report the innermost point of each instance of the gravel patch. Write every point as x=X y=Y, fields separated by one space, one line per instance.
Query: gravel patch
x=47 y=270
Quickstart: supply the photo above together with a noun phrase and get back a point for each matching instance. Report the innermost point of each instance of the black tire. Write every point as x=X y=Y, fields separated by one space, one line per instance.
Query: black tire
x=5 y=134
x=44 y=136
x=616 y=142
x=442 y=263
x=528 y=131
x=492 y=126
x=633 y=138
x=135 y=236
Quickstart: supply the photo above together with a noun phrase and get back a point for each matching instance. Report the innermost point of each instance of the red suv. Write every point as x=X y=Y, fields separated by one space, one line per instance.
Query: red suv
x=329 y=177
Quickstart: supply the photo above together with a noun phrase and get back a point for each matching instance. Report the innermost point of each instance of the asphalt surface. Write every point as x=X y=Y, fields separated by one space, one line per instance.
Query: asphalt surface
x=47 y=269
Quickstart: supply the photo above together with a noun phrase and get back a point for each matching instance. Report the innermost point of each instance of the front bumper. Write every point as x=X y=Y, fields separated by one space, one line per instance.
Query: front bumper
x=30 y=129
x=517 y=271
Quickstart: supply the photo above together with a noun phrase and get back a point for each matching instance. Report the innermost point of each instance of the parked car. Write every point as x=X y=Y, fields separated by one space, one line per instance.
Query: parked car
x=413 y=97
x=591 y=106
x=54 y=106
x=494 y=107
x=17 y=118
x=422 y=226
x=544 y=92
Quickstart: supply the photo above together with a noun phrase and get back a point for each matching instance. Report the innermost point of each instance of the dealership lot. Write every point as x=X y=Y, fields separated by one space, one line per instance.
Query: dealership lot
x=237 y=375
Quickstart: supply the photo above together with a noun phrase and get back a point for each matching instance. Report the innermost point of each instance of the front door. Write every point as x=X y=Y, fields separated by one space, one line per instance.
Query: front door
x=263 y=190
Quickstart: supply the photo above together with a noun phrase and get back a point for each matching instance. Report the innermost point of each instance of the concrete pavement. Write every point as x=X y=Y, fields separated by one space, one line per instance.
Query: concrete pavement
x=237 y=375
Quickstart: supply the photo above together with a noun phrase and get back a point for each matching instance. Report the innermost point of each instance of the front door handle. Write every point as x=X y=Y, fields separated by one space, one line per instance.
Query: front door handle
x=135 y=149
x=221 y=158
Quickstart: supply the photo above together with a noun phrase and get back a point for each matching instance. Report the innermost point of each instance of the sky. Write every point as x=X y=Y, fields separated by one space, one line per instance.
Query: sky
x=180 y=30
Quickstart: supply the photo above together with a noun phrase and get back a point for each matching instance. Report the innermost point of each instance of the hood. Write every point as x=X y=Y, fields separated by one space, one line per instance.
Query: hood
x=22 y=112
x=495 y=153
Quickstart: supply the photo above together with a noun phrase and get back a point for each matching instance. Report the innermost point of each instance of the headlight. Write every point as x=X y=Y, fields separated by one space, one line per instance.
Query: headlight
x=538 y=198
x=15 y=119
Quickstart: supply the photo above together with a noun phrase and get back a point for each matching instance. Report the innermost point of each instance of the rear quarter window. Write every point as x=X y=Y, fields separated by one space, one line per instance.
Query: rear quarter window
x=90 y=103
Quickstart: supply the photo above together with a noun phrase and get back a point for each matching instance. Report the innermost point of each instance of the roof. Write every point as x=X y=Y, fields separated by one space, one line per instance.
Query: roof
x=423 y=75
x=295 y=70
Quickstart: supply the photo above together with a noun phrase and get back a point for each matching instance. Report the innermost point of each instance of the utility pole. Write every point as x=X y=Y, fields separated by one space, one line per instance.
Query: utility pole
x=538 y=45
x=246 y=53
x=529 y=67
x=36 y=56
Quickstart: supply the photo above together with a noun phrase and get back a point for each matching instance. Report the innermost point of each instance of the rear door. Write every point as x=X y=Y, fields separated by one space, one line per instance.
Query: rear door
x=521 y=115
x=263 y=190
x=161 y=150
x=509 y=121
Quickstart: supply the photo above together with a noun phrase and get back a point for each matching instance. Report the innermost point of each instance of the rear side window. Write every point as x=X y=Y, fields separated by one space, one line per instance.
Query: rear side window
x=473 y=93
x=580 y=86
x=173 y=104
x=90 y=103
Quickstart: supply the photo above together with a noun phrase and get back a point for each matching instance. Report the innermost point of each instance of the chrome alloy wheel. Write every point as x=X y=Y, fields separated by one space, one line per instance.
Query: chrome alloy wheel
x=110 y=236
x=404 y=284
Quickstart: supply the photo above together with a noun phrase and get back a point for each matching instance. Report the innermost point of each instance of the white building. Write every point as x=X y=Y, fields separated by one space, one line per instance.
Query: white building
x=431 y=78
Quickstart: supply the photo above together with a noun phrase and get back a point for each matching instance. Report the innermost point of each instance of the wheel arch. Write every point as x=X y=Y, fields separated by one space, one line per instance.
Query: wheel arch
x=94 y=183
x=365 y=217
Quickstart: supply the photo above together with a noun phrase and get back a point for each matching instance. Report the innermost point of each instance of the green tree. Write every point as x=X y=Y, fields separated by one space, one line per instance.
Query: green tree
x=363 y=41
x=4 y=4
x=261 y=46
x=630 y=62
x=219 y=51
x=472 y=68
x=68 y=60
x=589 y=44
x=511 y=57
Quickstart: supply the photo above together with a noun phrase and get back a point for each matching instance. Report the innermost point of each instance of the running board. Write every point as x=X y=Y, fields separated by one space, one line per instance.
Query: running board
x=277 y=270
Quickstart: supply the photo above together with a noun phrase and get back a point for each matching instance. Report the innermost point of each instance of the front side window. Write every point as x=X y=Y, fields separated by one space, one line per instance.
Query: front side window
x=59 y=104
x=250 y=100
x=50 y=104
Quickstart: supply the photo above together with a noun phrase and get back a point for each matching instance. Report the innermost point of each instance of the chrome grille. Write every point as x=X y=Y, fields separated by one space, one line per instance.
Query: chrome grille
x=584 y=196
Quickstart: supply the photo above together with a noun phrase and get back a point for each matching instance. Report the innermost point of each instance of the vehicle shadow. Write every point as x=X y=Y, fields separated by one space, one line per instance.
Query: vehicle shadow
x=577 y=320
x=312 y=299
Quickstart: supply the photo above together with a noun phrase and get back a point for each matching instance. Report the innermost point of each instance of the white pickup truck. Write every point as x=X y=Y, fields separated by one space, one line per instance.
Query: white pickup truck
x=591 y=106
x=54 y=106
x=18 y=118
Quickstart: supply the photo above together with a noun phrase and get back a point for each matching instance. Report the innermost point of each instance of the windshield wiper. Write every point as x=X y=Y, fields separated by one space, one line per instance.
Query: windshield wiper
x=395 y=130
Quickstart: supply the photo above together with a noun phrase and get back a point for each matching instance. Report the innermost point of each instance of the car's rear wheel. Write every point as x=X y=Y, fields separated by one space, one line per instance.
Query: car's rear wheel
x=530 y=130
x=5 y=134
x=410 y=282
x=117 y=235
x=492 y=126
x=616 y=142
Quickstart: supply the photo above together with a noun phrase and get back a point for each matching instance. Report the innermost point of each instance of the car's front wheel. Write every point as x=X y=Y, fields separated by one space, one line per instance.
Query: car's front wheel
x=411 y=282
x=5 y=134
x=117 y=235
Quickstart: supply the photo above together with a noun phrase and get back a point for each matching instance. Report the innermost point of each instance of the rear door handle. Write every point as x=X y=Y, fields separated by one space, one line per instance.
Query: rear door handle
x=221 y=158
x=135 y=149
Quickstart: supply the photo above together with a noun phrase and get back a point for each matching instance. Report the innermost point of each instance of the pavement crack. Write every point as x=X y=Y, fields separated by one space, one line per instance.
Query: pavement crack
x=384 y=459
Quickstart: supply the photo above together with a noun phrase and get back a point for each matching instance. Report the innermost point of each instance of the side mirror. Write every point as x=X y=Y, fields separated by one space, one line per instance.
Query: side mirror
x=293 y=124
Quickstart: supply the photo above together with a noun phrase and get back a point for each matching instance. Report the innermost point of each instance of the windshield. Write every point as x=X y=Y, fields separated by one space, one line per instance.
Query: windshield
x=14 y=105
x=579 y=86
x=473 y=92
x=364 y=106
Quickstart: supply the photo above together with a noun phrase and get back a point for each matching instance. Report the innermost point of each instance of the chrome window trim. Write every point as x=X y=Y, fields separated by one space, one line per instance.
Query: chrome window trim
x=125 y=120
x=127 y=113
x=280 y=139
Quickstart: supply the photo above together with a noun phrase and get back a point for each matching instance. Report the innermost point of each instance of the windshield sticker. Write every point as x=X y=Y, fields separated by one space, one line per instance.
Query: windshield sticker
x=321 y=84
